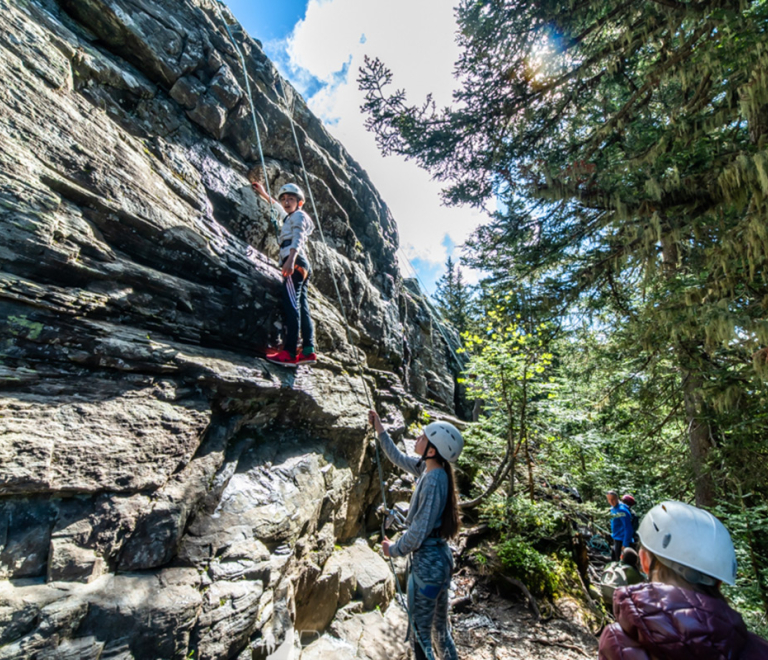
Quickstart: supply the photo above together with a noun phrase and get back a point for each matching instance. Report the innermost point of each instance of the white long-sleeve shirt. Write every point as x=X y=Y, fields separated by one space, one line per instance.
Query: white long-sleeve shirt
x=296 y=228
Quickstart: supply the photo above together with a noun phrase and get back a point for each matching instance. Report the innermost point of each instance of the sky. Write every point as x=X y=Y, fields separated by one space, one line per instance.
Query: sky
x=319 y=46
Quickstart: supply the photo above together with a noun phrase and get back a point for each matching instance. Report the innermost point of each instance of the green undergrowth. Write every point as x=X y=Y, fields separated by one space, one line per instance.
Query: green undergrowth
x=531 y=543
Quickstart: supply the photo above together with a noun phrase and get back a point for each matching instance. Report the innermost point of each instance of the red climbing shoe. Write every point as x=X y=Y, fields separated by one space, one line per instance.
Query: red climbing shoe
x=306 y=359
x=283 y=358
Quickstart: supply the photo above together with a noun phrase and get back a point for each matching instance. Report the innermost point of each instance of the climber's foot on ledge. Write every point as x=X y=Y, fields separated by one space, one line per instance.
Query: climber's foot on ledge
x=308 y=358
x=283 y=358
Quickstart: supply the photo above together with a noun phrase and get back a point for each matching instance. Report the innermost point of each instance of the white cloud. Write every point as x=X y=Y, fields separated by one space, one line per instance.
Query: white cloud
x=416 y=40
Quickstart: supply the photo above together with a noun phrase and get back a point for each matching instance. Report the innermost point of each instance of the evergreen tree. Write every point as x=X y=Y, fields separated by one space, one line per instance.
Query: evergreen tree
x=453 y=297
x=628 y=146
x=627 y=142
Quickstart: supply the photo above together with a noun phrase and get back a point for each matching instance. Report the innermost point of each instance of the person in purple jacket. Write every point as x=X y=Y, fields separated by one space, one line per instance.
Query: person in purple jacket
x=621 y=525
x=680 y=614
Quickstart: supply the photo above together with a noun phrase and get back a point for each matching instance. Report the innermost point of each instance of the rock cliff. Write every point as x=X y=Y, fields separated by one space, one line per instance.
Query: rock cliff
x=164 y=491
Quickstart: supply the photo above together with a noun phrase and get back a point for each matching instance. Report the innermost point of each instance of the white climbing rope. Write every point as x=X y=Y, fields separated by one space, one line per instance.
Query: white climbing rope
x=401 y=597
x=253 y=112
x=322 y=234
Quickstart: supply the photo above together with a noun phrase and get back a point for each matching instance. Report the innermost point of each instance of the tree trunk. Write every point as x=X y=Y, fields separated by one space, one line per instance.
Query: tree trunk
x=698 y=440
x=477 y=409
x=699 y=430
x=530 y=468
x=512 y=469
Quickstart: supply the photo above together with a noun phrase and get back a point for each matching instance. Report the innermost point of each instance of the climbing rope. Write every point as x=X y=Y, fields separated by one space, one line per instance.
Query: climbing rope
x=401 y=598
x=392 y=513
x=253 y=113
x=322 y=236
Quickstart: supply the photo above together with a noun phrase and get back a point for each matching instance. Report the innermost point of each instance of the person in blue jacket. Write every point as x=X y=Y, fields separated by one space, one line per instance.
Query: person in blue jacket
x=621 y=525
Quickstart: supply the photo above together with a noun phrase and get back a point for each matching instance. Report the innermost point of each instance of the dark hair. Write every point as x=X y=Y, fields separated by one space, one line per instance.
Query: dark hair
x=451 y=523
x=629 y=556
x=614 y=493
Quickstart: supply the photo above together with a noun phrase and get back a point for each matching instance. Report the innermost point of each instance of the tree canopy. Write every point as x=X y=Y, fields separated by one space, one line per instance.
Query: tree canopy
x=626 y=144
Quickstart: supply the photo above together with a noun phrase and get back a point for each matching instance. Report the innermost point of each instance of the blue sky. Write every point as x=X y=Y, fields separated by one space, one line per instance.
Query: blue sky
x=268 y=20
x=319 y=46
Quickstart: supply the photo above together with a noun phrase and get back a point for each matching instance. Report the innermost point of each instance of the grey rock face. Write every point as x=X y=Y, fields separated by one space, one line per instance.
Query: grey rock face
x=163 y=489
x=363 y=636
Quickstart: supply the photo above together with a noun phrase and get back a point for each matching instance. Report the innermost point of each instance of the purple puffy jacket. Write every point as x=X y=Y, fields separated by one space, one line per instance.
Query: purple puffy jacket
x=660 y=621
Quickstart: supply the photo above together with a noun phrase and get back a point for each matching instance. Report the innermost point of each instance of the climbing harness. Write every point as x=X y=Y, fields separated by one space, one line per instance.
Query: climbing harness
x=428 y=590
x=253 y=113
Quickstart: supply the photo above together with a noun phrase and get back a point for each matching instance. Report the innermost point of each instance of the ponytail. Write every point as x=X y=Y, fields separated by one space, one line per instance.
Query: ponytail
x=451 y=521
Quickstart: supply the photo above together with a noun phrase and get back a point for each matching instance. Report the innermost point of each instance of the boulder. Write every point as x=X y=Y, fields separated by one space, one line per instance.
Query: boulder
x=363 y=636
x=369 y=572
x=317 y=598
x=186 y=91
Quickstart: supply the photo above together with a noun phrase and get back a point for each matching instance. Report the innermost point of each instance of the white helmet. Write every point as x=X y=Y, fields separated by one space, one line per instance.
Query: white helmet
x=685 y=537
x=446 y=438
x=291 y=189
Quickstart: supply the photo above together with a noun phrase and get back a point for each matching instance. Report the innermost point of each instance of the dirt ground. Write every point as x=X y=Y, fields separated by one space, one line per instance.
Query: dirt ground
x=500 y=626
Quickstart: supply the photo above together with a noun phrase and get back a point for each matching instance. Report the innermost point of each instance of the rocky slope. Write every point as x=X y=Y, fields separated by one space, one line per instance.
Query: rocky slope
x=163 y=490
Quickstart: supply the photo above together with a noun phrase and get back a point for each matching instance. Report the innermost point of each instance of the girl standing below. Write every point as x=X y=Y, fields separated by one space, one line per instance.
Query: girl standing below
x=687 y=553
x=433 y=518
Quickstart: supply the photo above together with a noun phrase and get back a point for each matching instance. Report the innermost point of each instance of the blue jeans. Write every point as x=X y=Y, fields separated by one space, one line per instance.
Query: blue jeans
x=296 y=308
x=432 y=564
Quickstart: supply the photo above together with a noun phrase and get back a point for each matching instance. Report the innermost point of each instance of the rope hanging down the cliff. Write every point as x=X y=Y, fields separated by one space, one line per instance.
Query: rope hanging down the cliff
x=336 y=287
x=401 y=597
x=311 y=197
x=342 y=309
x=314 y=209
x=253 y=113
x=325 y=242
x=338 y=295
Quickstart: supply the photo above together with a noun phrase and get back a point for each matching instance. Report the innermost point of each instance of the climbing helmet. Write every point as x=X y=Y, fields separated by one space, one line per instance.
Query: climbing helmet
x=446 y=439
x=291 y=189
x=690 y=541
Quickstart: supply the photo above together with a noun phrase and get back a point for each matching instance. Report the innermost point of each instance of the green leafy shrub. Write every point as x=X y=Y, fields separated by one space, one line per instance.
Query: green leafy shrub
x=538 y=572
x=538 y=521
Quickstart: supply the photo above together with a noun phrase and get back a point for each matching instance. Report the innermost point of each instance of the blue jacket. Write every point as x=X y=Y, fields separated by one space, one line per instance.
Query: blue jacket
x=621 y=524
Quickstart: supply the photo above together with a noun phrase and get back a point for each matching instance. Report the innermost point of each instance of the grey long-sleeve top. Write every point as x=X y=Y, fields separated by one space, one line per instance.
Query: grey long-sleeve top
x=296 y=228
x=427 y=503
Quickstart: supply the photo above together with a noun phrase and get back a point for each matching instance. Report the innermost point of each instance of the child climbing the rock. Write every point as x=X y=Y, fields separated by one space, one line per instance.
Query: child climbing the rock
x=297 y=226
x=433 y=518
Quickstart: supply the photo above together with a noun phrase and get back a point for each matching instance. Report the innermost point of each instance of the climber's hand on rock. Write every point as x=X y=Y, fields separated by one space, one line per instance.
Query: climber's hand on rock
x=385 y=543
x=374 y=420
x=258 y=188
